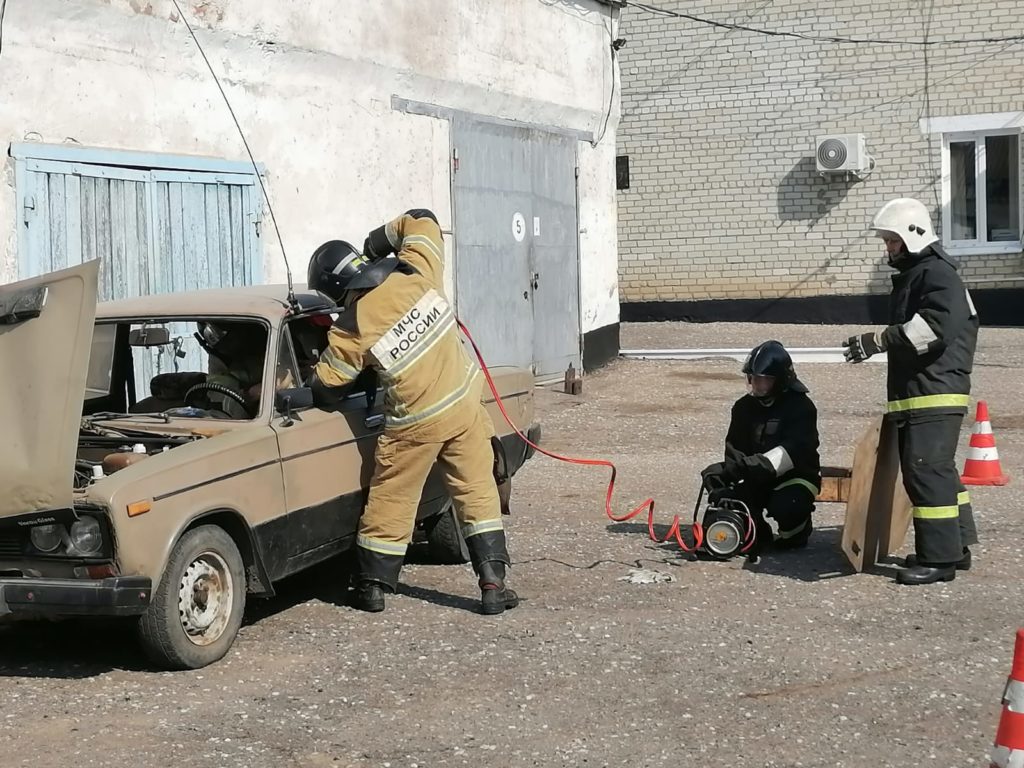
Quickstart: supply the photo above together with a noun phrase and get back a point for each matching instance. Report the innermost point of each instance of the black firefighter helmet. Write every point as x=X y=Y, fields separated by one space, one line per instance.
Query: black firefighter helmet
x=336 y=267
x=770 y=358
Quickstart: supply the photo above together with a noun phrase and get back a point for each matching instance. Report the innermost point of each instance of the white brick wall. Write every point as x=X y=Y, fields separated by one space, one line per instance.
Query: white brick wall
x=720 y=128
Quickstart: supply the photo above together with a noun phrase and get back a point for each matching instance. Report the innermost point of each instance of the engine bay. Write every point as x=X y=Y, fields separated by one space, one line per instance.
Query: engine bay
x=103 y=452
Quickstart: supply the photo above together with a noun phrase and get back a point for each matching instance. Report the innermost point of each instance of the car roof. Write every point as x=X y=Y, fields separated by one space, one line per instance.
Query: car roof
x=269 y=301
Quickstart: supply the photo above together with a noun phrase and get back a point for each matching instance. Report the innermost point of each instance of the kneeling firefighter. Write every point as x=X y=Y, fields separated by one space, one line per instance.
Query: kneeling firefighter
x=771 y=450
x=397 y=322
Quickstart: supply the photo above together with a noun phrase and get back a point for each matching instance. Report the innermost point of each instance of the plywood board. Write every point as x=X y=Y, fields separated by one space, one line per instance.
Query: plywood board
x=878 y=512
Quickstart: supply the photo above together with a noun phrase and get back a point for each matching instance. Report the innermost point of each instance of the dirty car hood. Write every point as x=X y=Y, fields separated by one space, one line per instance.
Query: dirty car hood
x=46 y=326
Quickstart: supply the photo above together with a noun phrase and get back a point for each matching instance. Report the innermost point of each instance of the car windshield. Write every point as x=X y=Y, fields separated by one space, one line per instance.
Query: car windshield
x=202 y=368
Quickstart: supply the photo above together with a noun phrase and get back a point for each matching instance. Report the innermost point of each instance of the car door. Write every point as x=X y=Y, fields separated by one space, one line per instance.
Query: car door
x=327 y=462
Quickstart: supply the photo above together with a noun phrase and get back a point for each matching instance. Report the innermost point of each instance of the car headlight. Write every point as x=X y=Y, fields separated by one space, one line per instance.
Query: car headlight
x=46 y=538
x=86 y=537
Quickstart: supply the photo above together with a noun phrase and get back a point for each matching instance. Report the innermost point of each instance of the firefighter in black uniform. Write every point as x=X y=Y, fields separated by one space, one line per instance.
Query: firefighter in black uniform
x=930 y=345
x=771 y=450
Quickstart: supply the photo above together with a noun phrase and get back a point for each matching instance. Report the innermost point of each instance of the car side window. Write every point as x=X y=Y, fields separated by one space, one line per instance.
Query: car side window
x=306 y=339
x=211 y=367
x=287 y=376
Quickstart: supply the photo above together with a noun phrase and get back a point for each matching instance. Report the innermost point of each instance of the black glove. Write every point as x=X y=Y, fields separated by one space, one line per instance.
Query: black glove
x=714 y=476
x=377 y=246
x=733 y=460
x=328 y=398
x=715 y=495
x=757 y=469
x=422 y=213
x=754 y=469
x=860 y=348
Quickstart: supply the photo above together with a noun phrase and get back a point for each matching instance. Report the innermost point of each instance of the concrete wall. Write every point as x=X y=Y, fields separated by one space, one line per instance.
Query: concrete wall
x=312 y=85
x=720 y=127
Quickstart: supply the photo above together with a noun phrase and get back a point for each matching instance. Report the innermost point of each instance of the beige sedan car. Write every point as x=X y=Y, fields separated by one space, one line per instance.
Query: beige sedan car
x=162 y=460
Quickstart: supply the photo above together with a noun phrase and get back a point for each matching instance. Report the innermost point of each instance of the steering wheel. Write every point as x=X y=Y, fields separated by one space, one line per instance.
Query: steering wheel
x=207 y=386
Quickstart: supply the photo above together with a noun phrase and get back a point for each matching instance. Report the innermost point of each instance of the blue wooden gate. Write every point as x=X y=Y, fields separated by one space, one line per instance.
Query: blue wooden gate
x=157 y=223
x=154 y=231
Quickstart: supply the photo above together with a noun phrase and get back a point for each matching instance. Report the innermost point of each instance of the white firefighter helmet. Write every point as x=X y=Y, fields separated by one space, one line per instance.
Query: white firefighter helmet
x=909 y=220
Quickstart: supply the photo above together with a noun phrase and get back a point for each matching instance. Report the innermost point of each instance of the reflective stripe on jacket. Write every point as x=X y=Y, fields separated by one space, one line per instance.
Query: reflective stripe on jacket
x=931 y=341
x=407 y=332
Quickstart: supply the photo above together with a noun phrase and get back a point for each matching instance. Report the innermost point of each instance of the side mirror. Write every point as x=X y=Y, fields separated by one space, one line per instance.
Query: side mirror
x=149 y=337
x=293 y=399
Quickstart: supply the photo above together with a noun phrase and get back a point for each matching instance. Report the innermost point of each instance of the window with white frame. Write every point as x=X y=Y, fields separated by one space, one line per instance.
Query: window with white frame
x=981 y=186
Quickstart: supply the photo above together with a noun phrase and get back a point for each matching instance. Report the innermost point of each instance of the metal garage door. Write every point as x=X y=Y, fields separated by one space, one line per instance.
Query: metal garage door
x=517 y=266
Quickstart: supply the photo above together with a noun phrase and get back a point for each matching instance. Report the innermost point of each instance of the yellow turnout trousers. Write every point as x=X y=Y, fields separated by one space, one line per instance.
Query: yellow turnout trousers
x=402 y=466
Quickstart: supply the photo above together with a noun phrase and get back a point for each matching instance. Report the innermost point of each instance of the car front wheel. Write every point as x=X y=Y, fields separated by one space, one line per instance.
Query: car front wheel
x=197 y=610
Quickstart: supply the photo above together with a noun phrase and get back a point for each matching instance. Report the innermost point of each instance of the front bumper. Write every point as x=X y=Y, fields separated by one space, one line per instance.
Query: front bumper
x=114 y=596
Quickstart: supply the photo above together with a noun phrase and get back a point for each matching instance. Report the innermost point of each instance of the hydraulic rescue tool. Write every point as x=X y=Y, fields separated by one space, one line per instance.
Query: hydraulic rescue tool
x=727 y=524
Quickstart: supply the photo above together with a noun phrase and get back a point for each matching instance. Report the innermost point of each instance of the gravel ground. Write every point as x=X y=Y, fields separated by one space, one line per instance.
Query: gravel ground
x=795 y=661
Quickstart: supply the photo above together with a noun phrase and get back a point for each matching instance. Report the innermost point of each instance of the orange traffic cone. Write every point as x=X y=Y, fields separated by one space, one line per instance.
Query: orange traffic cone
x=1009 y=746
x=982 y=465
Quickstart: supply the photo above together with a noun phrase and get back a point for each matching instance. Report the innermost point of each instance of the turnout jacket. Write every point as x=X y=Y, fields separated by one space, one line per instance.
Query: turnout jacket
x=932 y=339
x=785 y=433
x=405 y=330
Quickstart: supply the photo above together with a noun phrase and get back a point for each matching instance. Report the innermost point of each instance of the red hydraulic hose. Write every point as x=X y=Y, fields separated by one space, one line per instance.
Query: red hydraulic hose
x=673 y=532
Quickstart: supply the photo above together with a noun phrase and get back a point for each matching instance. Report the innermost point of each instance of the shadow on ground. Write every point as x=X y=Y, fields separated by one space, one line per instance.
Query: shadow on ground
x=822 y=559
x=69 y=649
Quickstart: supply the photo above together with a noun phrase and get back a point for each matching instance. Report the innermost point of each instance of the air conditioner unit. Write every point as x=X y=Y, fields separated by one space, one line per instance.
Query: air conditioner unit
x=843 y=154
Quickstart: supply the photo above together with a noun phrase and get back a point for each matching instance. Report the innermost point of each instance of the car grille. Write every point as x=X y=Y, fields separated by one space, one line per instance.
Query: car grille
x=11 y=546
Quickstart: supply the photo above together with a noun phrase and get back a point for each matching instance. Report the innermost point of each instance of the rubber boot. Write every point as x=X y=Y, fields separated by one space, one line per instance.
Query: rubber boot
x=927 y=574
x=378 y=573
x=369 y=596
x=489 y=553
x=963 y=564
x=495 y=597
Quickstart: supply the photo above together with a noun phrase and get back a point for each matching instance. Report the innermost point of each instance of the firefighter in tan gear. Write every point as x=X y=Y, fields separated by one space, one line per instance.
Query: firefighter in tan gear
x=397 y=321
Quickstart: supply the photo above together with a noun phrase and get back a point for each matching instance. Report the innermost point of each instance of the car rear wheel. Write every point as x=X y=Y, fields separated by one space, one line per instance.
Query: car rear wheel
x=444 y=538
x=197 y=610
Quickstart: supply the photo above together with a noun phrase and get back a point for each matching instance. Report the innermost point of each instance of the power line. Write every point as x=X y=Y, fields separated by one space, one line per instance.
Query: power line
x=815 y=79
x=664 y=84
x=821 y=38
x=639 y=133
x=946 y=79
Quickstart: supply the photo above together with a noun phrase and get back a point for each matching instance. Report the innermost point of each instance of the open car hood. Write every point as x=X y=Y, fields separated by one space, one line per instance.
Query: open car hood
x=46 y=326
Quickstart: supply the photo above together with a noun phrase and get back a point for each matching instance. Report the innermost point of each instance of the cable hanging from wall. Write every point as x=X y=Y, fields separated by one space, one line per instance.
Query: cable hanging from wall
x=614 y=46
x=3 y=10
